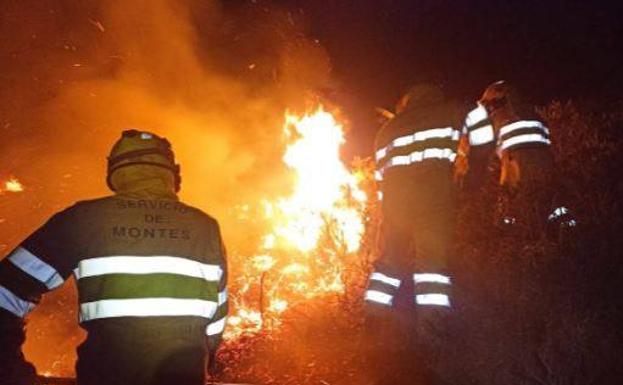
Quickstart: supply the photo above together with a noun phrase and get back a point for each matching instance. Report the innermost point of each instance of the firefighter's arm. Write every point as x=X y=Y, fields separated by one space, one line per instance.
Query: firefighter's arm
x=218 y=322
x=28 y=272
x=478 y=166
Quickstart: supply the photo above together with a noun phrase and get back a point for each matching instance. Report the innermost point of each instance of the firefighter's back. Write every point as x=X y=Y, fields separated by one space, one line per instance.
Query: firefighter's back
x=148 y=275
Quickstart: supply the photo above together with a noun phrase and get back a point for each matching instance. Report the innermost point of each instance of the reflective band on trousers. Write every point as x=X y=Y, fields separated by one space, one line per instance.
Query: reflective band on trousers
x=217 y=327
x=419 y=136
x=432 y=299
x=147 y=265
x=557 y=213
x=431 y=277
x=36 y=268
x=146 y=307
x=14 y=304
x=415 y=157
x=521 y=139
x=482 y=135
x=523 y=124
x=379 y=297
x=376 y=276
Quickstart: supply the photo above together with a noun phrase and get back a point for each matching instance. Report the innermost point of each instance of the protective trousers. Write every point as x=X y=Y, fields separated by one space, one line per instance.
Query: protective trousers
x=531 y=196
x=408 y=297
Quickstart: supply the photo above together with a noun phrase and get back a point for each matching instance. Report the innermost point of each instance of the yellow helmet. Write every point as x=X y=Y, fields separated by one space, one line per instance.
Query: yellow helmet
x=142 y=148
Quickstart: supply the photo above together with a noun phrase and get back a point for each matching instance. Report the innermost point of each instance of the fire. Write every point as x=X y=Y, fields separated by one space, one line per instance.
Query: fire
x=301 y=256
x=13 y=185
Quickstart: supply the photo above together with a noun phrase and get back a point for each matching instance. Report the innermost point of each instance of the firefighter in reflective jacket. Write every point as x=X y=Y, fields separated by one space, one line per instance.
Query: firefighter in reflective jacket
x=527 y=163
x=150 y=270
x=408 y=293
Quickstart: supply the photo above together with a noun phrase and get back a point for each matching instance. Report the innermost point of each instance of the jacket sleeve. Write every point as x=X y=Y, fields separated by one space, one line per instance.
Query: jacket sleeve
x=217 y=323
x=478 y=162
x=30 y=270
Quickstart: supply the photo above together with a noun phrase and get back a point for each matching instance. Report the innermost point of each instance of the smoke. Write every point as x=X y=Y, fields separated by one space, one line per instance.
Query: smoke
x=214 y=80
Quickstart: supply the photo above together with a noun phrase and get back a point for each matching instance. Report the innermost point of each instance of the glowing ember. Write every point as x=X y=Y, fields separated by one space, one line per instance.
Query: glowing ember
x=301 y=256
x=13 y=185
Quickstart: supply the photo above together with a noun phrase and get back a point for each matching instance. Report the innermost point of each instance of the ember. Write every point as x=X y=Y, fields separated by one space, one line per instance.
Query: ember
x=12 y=185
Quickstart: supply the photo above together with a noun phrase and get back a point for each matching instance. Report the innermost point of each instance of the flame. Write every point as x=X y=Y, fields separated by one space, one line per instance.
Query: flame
x=301 y=256
x=13 y=185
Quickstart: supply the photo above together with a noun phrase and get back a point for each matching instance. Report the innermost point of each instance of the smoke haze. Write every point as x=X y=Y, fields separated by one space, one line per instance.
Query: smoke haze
x=214 y=80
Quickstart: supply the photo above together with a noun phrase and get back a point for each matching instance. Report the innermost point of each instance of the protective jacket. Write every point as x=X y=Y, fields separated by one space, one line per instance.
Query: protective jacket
x=151 y=276
x=480 y=136
x=414 y=155
x=527 y=163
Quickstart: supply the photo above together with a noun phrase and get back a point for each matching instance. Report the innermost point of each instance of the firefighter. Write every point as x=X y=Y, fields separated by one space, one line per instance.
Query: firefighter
x=410 y=284
x=150 y=271
x=527 y=171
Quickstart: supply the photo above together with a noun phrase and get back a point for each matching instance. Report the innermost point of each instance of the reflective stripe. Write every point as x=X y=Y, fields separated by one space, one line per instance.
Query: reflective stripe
x=378 y=176
x=380 y=154
x=419 y=156
x=217 y=327
x=569 y=223
x=509 y=220
x=14 y=304
x=222 y=297
x=431 y=277
x=476 y=116
x=482 y=135
x=527 y=138
x=147 y=265
x=379 y=195
x=523 y=124
x=379 y=297
x=36 y=268
x=146 y=307
x=557 y=213
x=376 y=276
x=419 y=136
x=432 y=299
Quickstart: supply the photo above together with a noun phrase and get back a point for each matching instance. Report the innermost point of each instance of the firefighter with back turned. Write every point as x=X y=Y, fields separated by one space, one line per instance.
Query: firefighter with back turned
x=527 y=169
x=408 y=291
x=150 y=270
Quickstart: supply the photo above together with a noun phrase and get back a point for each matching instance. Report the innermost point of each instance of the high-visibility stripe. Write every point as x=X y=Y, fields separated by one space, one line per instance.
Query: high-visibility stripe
x=419 y=136
x=523 y=124
x=432 y=299
x=147 y=265
x=216 y=328
x=146 y=307
x=558 y=212
x=380 y=154
x=379 y=297
x=482 y=135
x=376 y=276
x=378 y=176
x=222 y=297
x=36 y=268
x=14 y=304
x=521 y=139
x=419 y=156
x=379 y=195
x=431 y=277
x=476 y=116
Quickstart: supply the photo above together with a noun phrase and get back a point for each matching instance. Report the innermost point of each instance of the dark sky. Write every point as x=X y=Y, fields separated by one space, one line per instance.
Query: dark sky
x=550 y=49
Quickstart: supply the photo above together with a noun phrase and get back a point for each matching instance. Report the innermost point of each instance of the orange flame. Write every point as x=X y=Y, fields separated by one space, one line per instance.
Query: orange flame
x=300 y=257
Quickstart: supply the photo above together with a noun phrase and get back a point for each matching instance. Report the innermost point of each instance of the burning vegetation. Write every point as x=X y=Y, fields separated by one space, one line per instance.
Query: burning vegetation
x=299 y=222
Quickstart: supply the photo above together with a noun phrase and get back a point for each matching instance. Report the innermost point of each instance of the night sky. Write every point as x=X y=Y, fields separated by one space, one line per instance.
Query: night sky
x=549 y=49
